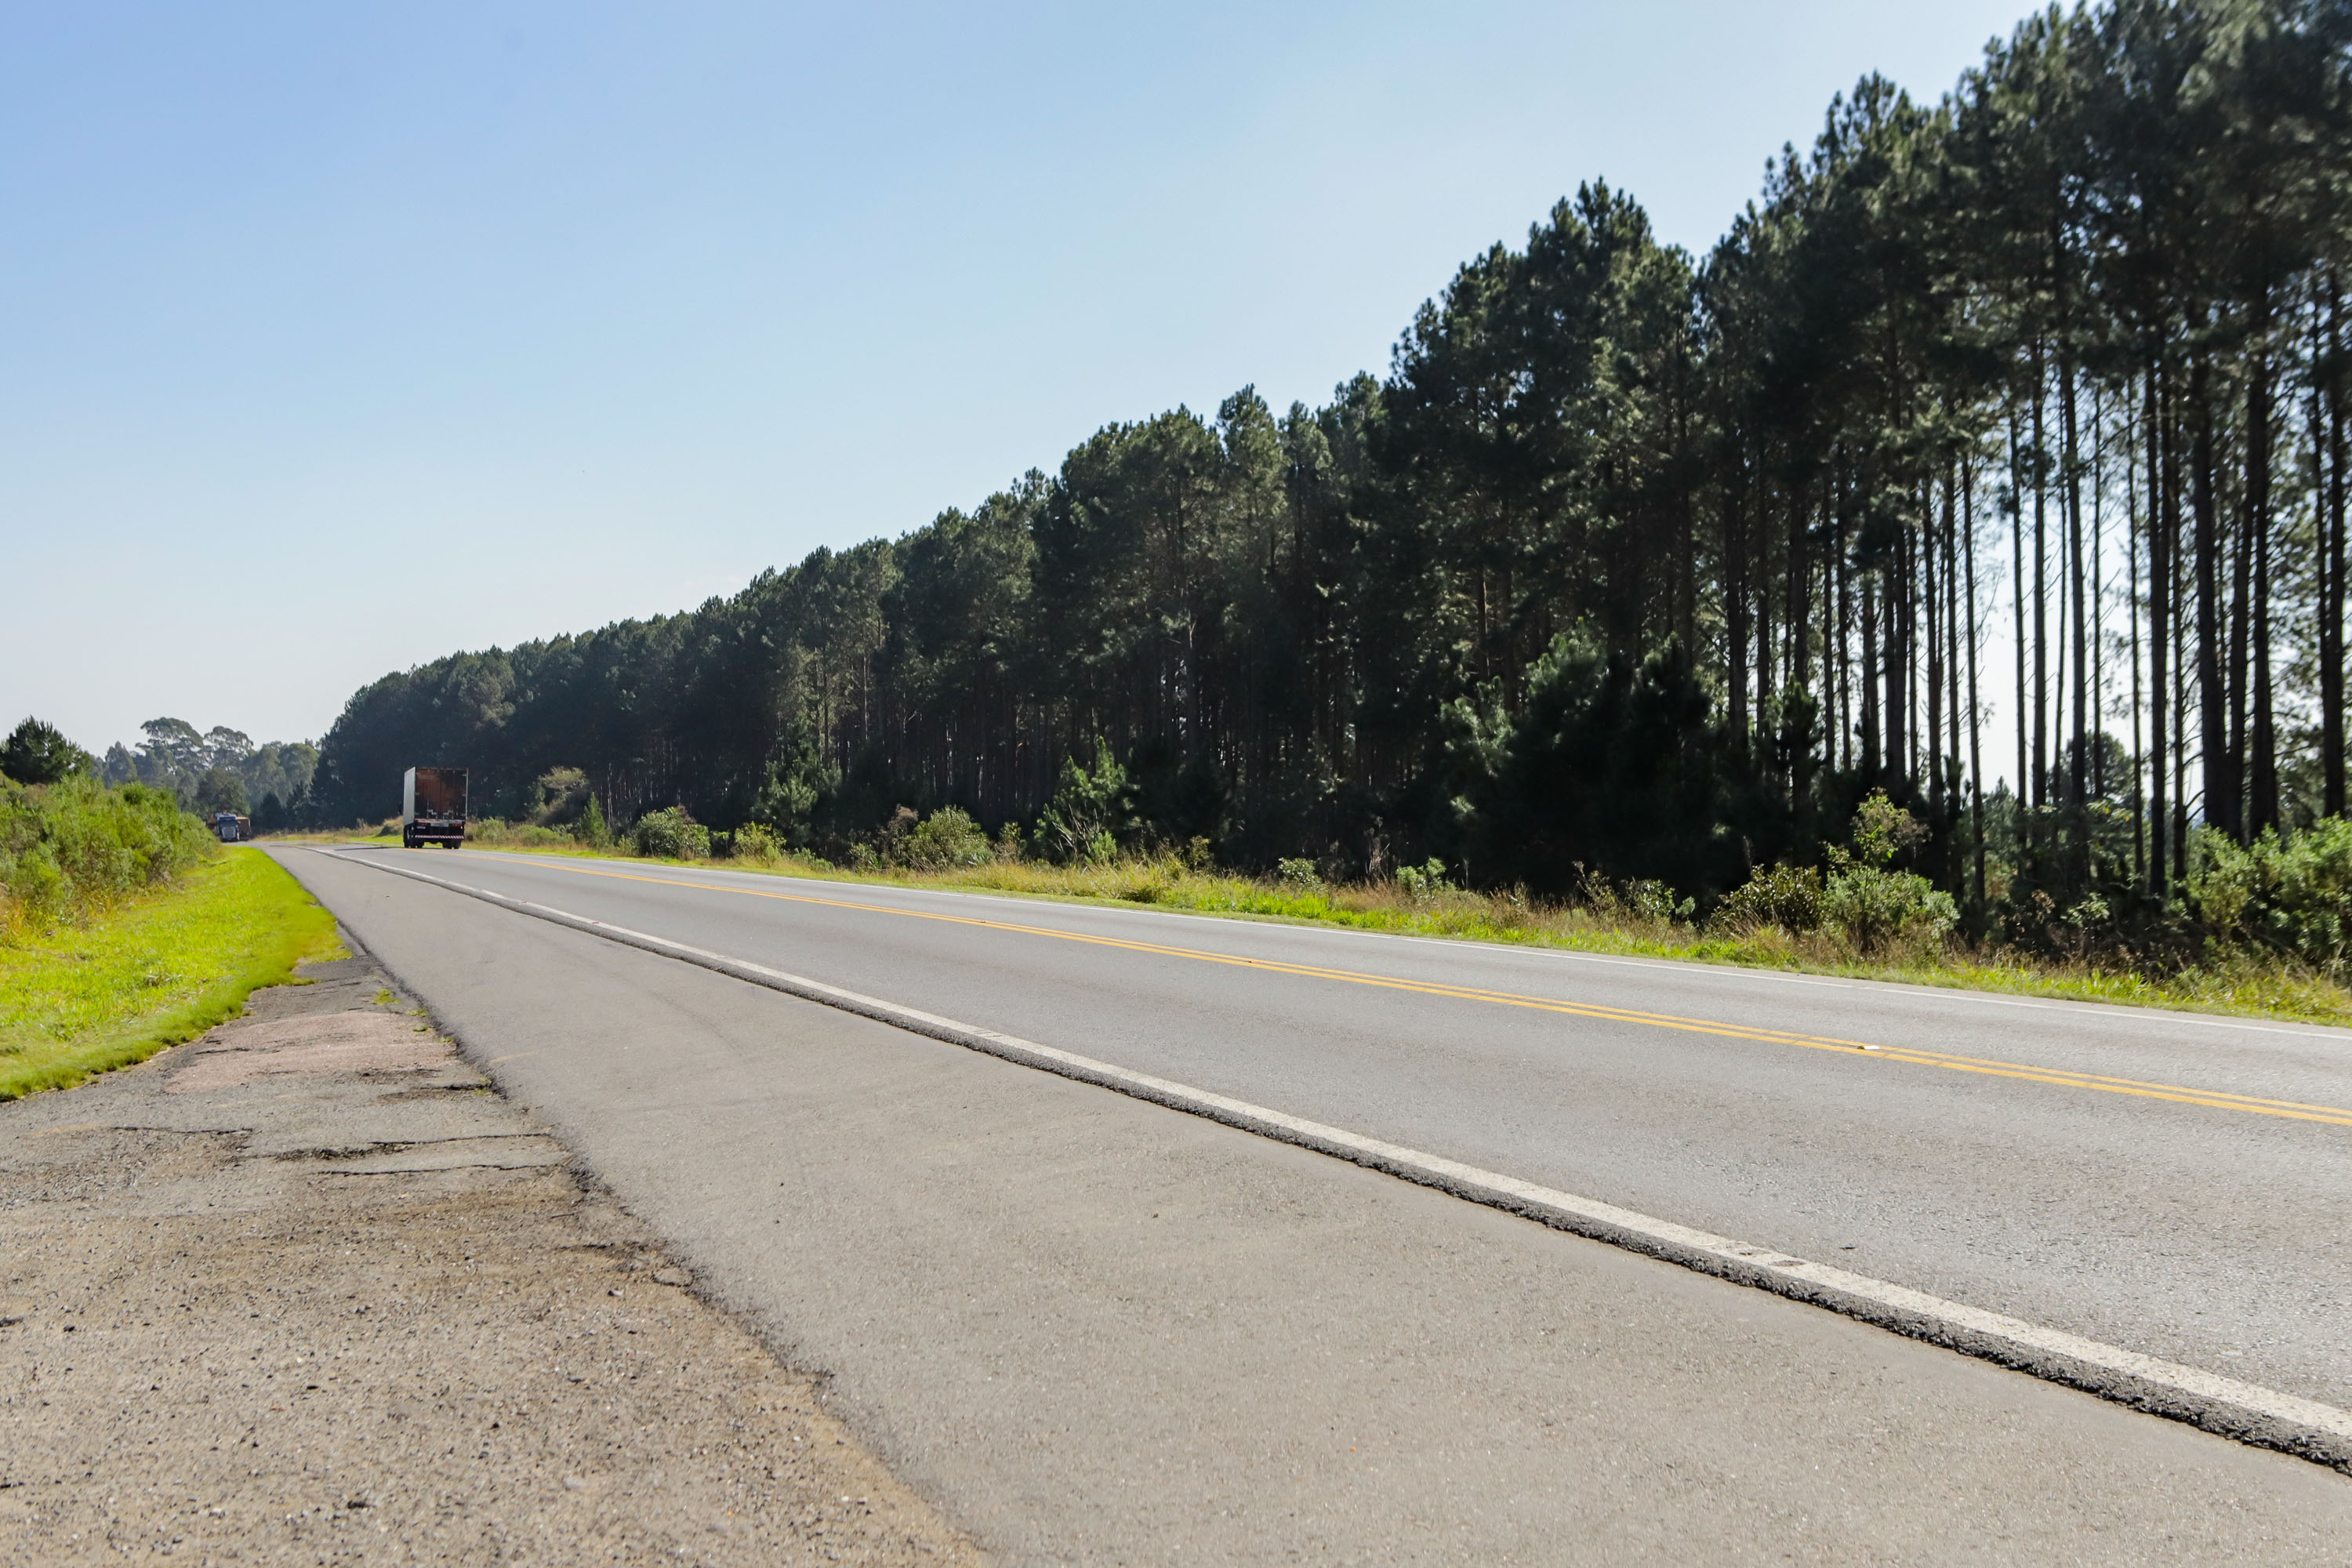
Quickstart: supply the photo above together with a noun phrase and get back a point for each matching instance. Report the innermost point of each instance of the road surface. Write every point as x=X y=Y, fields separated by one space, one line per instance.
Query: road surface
x=2161 y=1182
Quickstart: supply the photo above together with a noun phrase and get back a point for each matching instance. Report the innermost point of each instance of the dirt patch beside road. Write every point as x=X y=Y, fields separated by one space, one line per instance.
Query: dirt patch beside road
x=307 y=1288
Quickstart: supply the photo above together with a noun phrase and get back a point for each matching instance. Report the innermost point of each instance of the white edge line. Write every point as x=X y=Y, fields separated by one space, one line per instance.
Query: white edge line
x=2262 y=1416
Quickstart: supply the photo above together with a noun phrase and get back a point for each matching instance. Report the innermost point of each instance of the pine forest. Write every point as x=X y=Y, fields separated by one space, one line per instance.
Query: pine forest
x=1994 y=460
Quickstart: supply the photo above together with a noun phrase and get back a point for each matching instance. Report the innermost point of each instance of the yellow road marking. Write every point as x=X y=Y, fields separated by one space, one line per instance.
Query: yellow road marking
x=2063 y=1078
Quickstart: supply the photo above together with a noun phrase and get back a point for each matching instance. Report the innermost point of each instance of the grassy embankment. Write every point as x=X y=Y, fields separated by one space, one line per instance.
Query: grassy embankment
x=115 y=983
x=2244 y=986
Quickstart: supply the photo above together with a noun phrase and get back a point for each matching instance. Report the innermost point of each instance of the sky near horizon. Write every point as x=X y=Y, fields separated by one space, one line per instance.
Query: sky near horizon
x=340 y=338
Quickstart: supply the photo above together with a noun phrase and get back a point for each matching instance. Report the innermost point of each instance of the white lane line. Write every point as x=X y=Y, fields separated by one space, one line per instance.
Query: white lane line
x=2266 y=1417
x=2114 y=1012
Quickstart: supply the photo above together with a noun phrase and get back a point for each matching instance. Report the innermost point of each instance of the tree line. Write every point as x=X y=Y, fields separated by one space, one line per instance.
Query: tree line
x=1995 y=458
x=218 y=770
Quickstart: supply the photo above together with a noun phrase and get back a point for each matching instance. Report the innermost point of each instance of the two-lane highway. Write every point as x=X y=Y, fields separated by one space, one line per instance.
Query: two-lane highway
x=2171 y=1184
x=1092 y=1329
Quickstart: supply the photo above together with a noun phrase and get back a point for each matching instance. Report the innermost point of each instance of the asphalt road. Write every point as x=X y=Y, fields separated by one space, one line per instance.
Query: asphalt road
x=976 y=1251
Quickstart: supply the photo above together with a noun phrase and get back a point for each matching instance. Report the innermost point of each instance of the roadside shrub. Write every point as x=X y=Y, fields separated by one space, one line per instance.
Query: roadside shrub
x=1092 y=811
x=1419 y=882
x=591 y=829
x=2290 y=897
x=36 y=887
x=1299 y=876
x=1788 y=897
x=1875 y=910
x=1880 y=912
x=76 y=845
x=753 y=842
x=947 y=837
x=1642 y=900
x=670 y=834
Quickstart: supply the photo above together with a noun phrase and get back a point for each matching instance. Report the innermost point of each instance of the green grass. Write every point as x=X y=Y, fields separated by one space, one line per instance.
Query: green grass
x=2241 y=987
x=88 y=997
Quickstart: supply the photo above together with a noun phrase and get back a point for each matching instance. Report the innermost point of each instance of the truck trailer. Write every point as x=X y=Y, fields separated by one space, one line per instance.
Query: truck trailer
x=433 y=808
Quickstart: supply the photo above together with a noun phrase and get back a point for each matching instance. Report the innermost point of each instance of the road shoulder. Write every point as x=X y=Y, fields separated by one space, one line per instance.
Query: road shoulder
x=309 y=1285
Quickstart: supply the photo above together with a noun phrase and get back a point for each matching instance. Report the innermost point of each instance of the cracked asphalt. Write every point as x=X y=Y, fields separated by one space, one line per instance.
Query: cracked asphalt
x=309 y=1290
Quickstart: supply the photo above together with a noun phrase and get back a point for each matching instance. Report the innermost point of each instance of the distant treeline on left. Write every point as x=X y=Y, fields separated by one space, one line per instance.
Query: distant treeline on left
x=205 y=771
x=218 y=770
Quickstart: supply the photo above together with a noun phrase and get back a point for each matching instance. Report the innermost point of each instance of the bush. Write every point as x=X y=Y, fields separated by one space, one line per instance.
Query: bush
x=2289 y=896
x=1423 y=881
x=1299 y=875
x=1879 y=912
x=670 y=834
x=753 y=842
x=1876 y=910
x=1091 y=814
x=1644 y=900
x=591 y=829
x=947 y=837
x=1788 y=897
x=76 y=845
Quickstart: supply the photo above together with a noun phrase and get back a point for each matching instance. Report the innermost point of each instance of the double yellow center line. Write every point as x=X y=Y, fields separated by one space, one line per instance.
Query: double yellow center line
x=2217 y=1100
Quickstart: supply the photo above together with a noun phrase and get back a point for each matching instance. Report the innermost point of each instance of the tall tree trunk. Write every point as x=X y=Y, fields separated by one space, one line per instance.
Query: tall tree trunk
x=1872 y=758
x=2017 y=608
x=1932 y=585
x=2265 y=793
x=2213 y=722
x=2098 y=605
x=1734 y=600
x=2078 y=746
x=1842 y=666
x=1798 y=616
x=1976 y=724
x=2331 y=616
x=1913 y=577
x=2240 y=613
x=1952 y=632
x=2132 y=590
x=2173 y=439
x=2041 y=591
x=1893 y=724
x=2163 y=546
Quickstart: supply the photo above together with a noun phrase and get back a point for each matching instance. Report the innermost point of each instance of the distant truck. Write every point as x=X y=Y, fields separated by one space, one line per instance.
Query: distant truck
x=433 y=806
x=231 y=828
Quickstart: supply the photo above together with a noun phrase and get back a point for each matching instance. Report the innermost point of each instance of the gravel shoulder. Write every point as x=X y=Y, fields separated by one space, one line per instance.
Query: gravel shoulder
x=308 y=1288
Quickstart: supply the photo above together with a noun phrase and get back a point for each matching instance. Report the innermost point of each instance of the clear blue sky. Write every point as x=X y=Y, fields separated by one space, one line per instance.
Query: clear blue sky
x=334 y=337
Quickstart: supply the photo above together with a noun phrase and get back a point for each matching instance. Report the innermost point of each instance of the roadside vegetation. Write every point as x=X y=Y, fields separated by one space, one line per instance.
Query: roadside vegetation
x=2267 y=936
x=105 y=989
x=124 y=926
